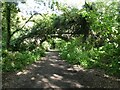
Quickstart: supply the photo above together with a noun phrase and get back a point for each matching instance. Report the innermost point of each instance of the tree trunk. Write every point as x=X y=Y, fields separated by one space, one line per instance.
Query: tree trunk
x=8 y=15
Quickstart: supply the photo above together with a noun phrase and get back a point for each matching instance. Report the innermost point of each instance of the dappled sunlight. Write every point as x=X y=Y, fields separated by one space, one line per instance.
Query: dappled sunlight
x=60 y=44
x=46 y=83
x=62 y=67
x=77 y=85
x=39 y=82
x=58 y=65
x=70 y=69
x=53 y=60
x=54 y=65
x=35 y=65
x=78 y=68
x=55 y=73
x=56 y=77
x=24 y=72
x=54 y=86
x=19 y=73
x=33 y=78
x=45 y=80
x=43 y=58
x=54 y=57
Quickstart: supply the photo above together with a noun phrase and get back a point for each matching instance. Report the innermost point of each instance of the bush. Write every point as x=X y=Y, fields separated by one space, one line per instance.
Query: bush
x=13 y=61
x=105 y=57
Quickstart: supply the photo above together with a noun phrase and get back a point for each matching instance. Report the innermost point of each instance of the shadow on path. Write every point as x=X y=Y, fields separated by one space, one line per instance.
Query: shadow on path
x=52 y=72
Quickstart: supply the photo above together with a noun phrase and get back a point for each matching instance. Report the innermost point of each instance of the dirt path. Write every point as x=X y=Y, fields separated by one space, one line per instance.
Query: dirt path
x=52 y=72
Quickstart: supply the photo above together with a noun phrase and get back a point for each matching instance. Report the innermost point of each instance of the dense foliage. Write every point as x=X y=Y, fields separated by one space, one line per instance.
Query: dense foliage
x=101 y=50
x=89 y=36
x=19 y=57
x=13 y=61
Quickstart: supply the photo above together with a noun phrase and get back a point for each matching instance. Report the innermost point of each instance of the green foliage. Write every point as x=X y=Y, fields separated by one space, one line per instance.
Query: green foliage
x=13 y=61
x=100 y=50
x=106 y=57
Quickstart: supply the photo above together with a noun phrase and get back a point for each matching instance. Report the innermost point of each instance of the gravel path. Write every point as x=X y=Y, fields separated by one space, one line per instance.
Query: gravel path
x=52 y=72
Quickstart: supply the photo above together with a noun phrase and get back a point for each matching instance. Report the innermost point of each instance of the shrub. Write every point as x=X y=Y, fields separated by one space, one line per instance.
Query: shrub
x=13 y=61
x=105 y=57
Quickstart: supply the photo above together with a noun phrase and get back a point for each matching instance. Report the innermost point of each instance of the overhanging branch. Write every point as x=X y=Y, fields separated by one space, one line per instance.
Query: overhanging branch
x=25 y=23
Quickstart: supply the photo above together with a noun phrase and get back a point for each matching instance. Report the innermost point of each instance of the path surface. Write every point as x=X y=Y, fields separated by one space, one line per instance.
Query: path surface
x=52 y=72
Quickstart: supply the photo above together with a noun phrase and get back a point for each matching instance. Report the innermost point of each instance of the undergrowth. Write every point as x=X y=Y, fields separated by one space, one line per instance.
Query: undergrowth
x=12 y=61
x=105 y=57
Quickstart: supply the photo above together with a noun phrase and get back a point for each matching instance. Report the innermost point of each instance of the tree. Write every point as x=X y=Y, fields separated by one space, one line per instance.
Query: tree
x=8 y=22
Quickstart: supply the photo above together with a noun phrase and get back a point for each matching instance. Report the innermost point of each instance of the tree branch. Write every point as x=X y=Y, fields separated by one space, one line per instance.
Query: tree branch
x=25 y=23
